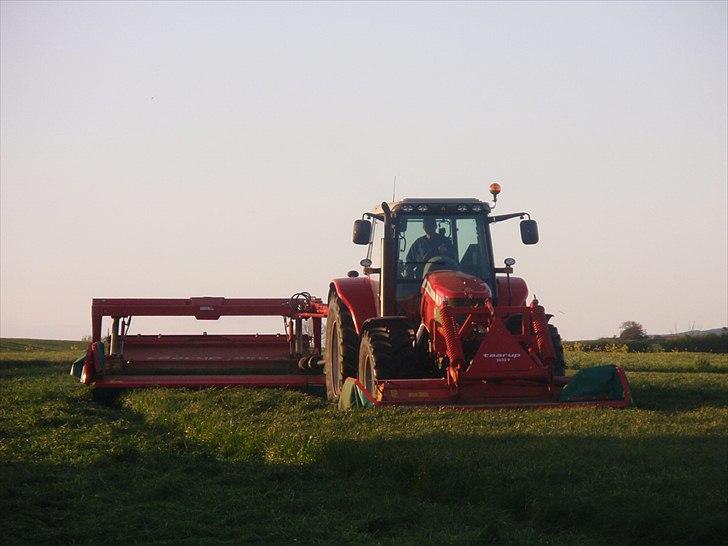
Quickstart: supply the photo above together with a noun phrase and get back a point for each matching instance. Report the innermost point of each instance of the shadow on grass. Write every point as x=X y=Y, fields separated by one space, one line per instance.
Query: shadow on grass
x=33 y=366
x=679 y=392
x=153 y=484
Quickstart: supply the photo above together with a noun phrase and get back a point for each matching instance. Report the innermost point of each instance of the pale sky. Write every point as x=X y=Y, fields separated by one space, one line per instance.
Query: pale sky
x=224 y=149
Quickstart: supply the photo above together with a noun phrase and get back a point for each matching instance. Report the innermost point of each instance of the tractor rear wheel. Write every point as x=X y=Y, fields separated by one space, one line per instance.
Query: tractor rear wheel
x=386 y=352
x=559 y=362
x=342 y=347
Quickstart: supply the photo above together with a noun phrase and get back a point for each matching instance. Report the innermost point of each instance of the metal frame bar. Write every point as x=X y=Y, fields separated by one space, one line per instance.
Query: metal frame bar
x=290 y=381
x=205 y=308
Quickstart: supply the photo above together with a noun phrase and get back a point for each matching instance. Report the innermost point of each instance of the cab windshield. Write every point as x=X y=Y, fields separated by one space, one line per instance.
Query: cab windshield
x=432 y=242
x=443 y=242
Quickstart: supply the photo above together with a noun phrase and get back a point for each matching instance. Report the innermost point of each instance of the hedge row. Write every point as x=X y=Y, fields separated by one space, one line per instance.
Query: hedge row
x=711 y=343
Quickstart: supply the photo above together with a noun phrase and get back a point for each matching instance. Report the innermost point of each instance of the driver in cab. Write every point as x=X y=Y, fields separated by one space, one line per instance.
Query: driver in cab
x=428 y=246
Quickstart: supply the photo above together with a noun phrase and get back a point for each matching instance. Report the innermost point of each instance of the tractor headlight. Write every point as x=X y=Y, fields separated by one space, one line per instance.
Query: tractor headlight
x=407 y=208
x=477 y=208
x=422 y=208
x=462 y=208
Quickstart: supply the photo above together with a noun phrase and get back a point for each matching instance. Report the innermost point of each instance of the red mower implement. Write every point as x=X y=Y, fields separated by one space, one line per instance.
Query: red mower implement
x=433 y=322
x=291 y=360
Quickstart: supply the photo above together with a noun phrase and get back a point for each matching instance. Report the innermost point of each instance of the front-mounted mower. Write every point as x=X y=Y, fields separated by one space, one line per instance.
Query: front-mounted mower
x=433 y=322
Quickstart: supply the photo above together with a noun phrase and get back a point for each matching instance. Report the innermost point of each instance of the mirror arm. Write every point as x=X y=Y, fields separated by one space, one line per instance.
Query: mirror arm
x=500 y=218
x=371 y=241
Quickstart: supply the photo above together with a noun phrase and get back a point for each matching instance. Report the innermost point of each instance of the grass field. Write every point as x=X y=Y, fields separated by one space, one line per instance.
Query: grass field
x=232 y=466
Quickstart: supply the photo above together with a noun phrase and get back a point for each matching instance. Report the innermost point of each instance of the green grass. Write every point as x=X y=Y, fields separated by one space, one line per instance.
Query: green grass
x=264 y=466
x=21 y=352
x=18 y=345
x=650 y=362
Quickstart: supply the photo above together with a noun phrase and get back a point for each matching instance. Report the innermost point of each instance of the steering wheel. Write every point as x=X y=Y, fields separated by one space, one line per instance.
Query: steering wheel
x=437 y=263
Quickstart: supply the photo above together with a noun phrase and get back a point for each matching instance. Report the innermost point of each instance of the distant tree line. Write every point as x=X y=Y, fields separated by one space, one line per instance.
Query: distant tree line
x=710 y=343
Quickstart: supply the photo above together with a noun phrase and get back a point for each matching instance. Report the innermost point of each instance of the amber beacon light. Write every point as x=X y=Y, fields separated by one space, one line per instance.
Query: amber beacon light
x=495 y=189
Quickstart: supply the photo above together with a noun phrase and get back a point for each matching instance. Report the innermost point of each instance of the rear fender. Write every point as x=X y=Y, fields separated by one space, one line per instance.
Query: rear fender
x=359 y=294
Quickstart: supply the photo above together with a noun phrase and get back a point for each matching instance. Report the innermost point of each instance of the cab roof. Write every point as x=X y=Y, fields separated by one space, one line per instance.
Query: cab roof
x=432 y=202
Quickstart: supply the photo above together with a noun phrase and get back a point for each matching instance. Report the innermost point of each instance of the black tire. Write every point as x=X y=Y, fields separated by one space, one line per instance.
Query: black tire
x=386 y=352
x=342 y=347
x=559 y=362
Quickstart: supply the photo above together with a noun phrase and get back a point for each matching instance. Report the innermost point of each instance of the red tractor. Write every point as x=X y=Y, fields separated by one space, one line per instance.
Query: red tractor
x=436 y=321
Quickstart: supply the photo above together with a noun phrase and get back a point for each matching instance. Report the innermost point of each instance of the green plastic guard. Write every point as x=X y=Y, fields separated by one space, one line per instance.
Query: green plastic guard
x=598 y=383
x=94 y=354
x=354 y=395
x=77 y=366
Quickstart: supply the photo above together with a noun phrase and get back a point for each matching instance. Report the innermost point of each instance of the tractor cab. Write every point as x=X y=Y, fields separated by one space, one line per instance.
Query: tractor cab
x=419 y=236
x=435 y=235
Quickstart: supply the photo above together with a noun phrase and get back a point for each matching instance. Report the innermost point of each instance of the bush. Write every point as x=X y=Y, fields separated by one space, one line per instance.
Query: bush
x=631 y=330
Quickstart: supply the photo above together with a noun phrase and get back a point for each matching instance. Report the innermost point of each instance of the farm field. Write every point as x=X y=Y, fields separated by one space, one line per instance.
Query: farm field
x=265 y=466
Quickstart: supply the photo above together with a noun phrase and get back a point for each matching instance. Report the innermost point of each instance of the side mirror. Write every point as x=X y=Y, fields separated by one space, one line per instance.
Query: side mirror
x=362 y=232
x=529 y=232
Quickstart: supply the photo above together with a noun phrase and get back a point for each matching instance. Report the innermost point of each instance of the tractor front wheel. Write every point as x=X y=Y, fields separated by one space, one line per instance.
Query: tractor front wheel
x=386 y=352
x=342 y=347
x=559 y=362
